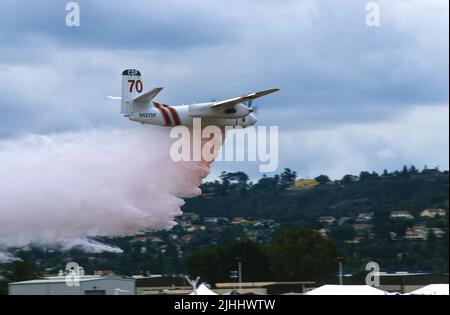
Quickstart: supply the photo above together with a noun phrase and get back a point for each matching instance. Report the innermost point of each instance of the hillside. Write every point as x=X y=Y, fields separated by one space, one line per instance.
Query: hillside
x=276 y=198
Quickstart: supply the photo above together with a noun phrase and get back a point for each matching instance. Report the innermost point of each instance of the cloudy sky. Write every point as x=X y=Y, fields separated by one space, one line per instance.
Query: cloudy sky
x=352 y=97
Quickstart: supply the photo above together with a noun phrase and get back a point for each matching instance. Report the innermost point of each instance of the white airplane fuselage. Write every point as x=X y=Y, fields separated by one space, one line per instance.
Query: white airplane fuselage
x=139 y=106
x=171 y=116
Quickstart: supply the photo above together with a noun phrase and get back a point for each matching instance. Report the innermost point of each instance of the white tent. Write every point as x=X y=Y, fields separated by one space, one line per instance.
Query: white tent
x=346 y=290
x=432 y=289
x=203 y=290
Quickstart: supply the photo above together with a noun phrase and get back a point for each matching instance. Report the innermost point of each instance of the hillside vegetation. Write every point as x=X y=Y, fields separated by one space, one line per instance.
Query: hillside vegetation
x=276 y=198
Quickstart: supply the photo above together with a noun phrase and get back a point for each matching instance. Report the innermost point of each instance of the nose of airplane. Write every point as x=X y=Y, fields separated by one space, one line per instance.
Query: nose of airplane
x=251 y=120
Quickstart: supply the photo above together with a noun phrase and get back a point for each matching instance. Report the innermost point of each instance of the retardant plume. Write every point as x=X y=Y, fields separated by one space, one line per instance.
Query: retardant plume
x=63 y=189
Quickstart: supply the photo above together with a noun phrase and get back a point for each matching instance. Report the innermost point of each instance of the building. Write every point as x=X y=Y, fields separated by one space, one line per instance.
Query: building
x=82 y=285
x=361 y=228
x=195 y=228
x=439 y=233
x=401 y=215
x=138 y=239
x=186 y=238
x=263 y=287
x=189 y=216
x=343 y=220
x=431 y=213
x=365 y=217
x=323 y=232
x=332 y=289
x=215 y=220
x=243 y=221
x=418 y=232
x=356 y=240
x=162 y=285
x=405 y=282
x=306 y=183
x=327 y=219
x=401 y=281
x=180 y=286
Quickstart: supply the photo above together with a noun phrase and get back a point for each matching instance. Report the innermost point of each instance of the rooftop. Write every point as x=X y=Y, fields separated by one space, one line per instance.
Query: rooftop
x=63 y=279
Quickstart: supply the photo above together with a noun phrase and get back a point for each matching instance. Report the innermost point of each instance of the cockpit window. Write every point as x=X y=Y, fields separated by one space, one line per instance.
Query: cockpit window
x=230 y=110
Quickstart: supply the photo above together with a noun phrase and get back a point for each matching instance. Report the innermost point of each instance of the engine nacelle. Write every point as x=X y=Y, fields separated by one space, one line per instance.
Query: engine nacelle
x=205 y=110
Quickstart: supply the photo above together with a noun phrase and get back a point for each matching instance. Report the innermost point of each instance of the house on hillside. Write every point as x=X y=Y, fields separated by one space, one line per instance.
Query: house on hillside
x=418 y=233
x=138 y=239
x=431 y=213
x=189 y=216
x=327 y=219
x=361 y=228
x=195 y=228
x=401 y=215
x=243 y=221
x=356 y=240
x=155 y=239
x=343 y=220
x=186 y=238
x=306 y=183
x=439 y=233
x=215 y=220
x=365 y=217
x=393 y=236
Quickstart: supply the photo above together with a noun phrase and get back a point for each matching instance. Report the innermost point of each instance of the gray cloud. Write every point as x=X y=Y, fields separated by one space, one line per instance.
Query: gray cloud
x=333 y=71
x=117 y=24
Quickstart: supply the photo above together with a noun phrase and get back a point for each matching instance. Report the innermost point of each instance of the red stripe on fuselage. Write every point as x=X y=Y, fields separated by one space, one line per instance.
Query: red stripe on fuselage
x=176 y=118
x=164 y=113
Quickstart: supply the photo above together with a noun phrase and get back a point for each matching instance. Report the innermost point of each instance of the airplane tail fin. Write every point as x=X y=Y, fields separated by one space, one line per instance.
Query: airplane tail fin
x=133 y=99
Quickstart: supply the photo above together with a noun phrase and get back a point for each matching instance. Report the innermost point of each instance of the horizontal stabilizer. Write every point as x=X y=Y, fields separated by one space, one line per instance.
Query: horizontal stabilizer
x=118 y=98
x=147 y=97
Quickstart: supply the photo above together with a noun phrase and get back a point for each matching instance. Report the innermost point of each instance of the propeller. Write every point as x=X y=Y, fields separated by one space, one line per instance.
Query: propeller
x=253 y=109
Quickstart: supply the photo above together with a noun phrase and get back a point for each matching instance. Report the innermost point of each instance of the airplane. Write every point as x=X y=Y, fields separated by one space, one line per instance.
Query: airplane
x=139 y=106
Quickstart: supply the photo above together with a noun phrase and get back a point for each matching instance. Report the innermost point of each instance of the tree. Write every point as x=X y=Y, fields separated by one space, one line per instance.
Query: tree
x=236 y=178
x=255 y=263
x=301 y=254
x=382 y=226
x=367 y=176
x=342 y=233
x=287 y=178
x=20 y=271
x=413 y=170
x=267 y=183
x=349 y=179
x=214 y=264
x=405 y=171
x=17 y=271
x=225 y=184
x=205 y=263
x=322 y=179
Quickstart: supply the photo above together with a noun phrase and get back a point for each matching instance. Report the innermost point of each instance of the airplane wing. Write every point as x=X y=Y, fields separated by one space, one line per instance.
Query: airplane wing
x=147 y=97
x=244 y=98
